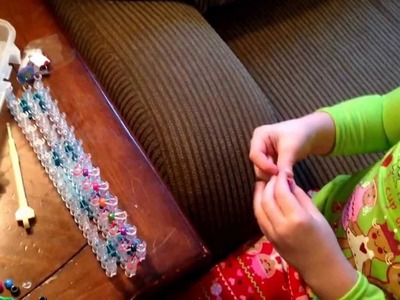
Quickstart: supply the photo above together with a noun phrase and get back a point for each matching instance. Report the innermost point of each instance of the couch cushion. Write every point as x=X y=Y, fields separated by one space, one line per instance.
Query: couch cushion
x=186 y=98
x=308 y=54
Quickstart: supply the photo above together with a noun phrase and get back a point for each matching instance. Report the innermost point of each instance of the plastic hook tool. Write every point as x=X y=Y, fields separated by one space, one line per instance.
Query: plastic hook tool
x=24 y=213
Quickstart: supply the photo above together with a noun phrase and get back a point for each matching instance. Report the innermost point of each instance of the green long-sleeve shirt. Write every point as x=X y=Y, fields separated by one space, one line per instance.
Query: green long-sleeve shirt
x=364 y=208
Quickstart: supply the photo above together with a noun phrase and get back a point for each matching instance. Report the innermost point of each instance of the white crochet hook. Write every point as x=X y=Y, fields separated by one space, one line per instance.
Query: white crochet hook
x=24 y=213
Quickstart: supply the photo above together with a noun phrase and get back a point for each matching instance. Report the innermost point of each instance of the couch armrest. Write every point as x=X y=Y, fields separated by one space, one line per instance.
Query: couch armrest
x=186 y=98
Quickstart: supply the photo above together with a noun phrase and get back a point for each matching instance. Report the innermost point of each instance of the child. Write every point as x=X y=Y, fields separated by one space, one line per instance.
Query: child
x=343 y=244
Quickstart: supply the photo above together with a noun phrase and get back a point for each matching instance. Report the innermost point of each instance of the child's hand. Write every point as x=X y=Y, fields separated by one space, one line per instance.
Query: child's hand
x=302 y=236
x=279 y=146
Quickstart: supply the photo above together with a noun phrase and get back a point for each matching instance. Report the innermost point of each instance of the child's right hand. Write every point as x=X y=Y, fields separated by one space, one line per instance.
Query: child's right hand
x=278 y=147
x=303 y=237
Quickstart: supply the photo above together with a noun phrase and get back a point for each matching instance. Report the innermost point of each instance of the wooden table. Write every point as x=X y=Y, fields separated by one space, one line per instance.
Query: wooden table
x=54 y=256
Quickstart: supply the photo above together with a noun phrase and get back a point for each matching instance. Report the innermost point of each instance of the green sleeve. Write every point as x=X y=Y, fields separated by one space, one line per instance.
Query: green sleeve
x=363 y=290
x=366 y=124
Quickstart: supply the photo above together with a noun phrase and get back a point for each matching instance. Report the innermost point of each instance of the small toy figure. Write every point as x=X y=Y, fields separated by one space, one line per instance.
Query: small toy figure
x=34 y=62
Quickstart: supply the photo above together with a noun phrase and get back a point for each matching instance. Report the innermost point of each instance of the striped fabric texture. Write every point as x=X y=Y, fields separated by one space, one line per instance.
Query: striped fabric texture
x=186 y=98
x=309 y=54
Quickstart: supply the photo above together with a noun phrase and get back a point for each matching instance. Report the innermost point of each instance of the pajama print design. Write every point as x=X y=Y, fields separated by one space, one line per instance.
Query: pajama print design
x=255 y=272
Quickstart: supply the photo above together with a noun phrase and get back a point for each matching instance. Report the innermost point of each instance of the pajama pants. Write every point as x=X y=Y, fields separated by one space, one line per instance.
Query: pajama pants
x=255 y=271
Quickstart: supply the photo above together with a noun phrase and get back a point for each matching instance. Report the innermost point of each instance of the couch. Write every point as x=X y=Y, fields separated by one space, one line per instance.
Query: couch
x=192 y=80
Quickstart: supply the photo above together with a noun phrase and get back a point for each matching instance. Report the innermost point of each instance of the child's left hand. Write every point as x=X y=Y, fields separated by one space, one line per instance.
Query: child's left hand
x=302 y=236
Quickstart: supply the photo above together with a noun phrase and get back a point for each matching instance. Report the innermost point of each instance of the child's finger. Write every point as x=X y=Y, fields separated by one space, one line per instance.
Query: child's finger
x=285 y=162
x=271 y=167
x=258 y=156
x=270 y=205
x=261 y=175
x=305 y=200
x=264 y=163
x=284 y=196
x=262 y=219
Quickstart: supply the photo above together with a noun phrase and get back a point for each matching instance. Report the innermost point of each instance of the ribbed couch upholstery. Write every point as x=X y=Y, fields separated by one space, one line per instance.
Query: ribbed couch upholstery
x=192 y=84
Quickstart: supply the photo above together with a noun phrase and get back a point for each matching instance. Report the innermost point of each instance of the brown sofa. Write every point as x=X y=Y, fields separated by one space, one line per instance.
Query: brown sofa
x=192 y=81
